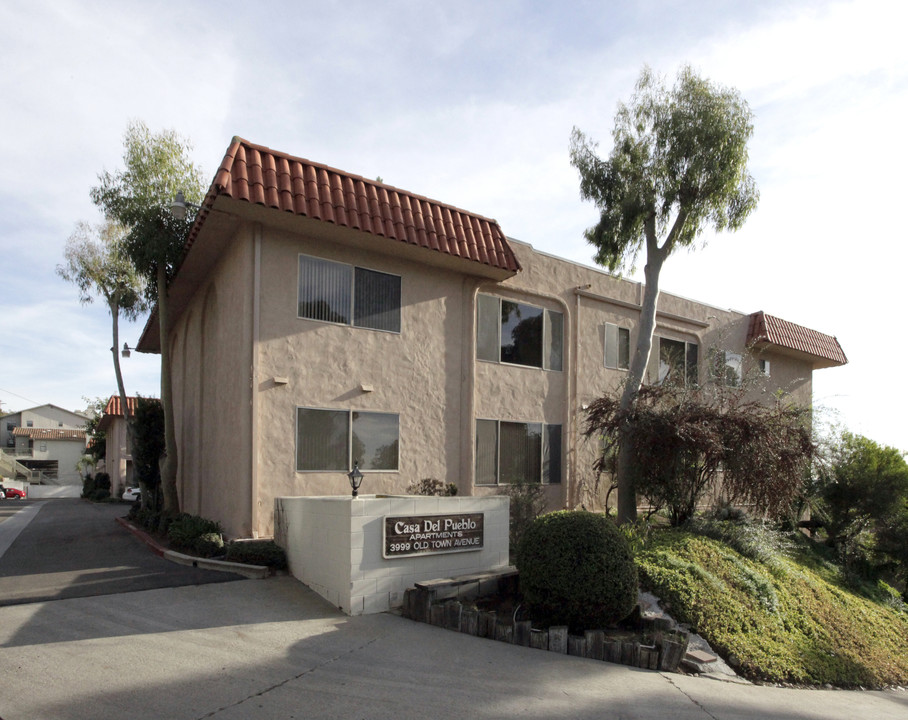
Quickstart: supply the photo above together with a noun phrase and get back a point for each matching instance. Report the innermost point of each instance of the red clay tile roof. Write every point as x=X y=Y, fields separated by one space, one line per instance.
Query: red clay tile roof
x=769 y=330
x=49 y=434
x=259 y=175
x=114 y=406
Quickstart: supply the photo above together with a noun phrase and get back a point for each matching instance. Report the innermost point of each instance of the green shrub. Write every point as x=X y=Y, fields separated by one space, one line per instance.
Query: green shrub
x=146 y=518
x=100 y=495
x=185 y=530
x=754 y=540
x=102 y=481
x=576 y=569
x=88 y=486
x=257 y=552
x=432 y=486
x=527 y=504
x=208 y=544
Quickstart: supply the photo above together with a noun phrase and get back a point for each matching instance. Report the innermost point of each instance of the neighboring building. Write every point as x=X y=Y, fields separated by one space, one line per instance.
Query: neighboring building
x=47 y=440
x=118 y=446
x=320 y=318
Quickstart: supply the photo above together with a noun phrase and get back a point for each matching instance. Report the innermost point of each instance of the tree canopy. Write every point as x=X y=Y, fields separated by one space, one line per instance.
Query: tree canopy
x=97 y=264
x=156 y=167
x=678 y=165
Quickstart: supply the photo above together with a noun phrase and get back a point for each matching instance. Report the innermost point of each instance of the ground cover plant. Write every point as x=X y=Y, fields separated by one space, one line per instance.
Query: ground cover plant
x=777 y=615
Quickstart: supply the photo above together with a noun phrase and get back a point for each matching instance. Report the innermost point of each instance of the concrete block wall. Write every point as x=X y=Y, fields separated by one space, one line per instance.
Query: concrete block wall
x=334 y=546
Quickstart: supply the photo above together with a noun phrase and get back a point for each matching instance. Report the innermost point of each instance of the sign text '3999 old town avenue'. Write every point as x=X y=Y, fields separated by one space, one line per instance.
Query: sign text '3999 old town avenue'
x=421 y=534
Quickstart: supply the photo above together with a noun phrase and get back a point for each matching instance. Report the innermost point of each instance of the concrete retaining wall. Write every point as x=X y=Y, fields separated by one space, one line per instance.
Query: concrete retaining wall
x=334 y=545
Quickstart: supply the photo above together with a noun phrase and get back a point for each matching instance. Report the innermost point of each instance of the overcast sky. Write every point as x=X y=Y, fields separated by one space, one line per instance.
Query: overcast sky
x=470 y=103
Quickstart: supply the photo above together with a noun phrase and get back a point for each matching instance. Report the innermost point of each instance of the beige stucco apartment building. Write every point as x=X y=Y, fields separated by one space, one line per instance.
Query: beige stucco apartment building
x=322 y=319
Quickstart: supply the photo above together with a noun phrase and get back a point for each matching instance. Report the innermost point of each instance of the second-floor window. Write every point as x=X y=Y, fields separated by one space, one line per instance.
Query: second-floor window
x=348 y=295
x=617 y=347
x=519 y=334
x=728 y=368
x=674 y=361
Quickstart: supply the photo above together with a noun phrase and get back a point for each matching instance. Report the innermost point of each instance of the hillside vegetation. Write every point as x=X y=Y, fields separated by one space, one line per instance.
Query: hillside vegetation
x=779 y=615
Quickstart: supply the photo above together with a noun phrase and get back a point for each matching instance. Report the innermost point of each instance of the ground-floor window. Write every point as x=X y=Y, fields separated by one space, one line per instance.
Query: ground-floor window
x=333 y=440
x=509 y=452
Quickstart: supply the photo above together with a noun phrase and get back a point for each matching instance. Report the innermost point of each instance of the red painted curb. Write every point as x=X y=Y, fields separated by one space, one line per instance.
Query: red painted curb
x=143 y=536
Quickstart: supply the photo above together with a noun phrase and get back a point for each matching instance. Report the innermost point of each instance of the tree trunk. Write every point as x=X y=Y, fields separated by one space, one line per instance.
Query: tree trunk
x=169 y=461
x=627 y=493
x=121 y=387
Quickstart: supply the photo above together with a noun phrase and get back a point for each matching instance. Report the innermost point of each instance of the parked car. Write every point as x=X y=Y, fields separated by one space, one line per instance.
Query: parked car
x=132 y=494
x=11 y=493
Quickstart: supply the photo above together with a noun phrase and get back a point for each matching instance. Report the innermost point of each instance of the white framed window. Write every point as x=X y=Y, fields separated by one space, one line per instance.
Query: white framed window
x=727 y=368
x=517 y=333
x=509 y=452
x=335 y=292
x=764 y=367
x=674 y=361
x=334 y=440
x=617 y=347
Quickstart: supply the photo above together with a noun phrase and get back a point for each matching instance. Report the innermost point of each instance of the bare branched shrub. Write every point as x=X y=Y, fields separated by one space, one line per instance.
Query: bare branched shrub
x=684 y=440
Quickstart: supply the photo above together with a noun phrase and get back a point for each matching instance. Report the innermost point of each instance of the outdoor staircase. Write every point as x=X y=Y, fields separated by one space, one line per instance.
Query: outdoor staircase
x=10 y=467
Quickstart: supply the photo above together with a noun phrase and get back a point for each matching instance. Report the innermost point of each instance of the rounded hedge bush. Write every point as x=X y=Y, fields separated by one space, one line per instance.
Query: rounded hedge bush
x=576 y=569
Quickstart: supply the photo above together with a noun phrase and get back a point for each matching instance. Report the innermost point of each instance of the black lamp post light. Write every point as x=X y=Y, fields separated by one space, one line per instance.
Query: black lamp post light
x=356 y=478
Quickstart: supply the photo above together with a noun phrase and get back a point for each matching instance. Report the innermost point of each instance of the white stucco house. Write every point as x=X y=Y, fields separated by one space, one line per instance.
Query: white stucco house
x=47 y=440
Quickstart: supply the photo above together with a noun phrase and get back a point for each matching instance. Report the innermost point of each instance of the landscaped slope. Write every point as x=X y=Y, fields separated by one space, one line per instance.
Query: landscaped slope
x=777 y=620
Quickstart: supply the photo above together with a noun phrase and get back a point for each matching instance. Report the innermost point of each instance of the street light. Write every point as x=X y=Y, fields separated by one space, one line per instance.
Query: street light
x=356 y=478
x=180 y=205
x=125 y=352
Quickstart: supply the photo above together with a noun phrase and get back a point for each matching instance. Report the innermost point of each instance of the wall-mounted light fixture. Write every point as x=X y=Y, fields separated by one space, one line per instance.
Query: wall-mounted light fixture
x=180 y=206
x=126 y=351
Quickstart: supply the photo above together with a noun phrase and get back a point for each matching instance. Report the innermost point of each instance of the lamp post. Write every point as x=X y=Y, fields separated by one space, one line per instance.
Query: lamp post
x=356 y=478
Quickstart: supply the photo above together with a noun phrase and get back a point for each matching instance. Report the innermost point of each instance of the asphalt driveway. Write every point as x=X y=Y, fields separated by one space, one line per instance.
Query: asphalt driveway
x=69 y=548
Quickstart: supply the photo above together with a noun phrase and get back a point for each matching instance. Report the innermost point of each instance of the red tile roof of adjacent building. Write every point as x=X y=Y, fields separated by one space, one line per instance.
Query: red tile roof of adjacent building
x=261 y=176
x=115 y=407
x=49 y=433
x=769 y=330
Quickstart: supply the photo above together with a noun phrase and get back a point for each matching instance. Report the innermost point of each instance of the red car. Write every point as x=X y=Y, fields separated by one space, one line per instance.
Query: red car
x=11 y=493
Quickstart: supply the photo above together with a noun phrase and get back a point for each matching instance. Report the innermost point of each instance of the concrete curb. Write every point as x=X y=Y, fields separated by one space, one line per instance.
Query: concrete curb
x=255 y=572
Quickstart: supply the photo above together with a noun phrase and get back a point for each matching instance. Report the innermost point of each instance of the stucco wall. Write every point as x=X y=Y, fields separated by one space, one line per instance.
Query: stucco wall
x=117 y=459
x=416 y=373
x=211 y=347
